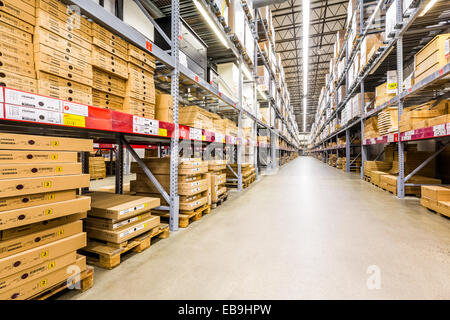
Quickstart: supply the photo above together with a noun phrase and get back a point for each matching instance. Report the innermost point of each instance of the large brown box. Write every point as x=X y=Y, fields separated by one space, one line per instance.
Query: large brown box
x=51 y=77
x=63 y=29
x=107 y=100
x=185 y=166
x=69 y=64
x=142 y=185
x=23 y=10
x=27 y=229
x=38 y=285
x=12 y=80
x=107 y=82
x=36 y=271
x=138 y=54
x=61 y=11
x=104 y=60
x=16 y=187
x=25 y=170
x=436 y=193
x=18 y=217
x=119 y=207
x=111 y=224
x=16 y=32
x=16 y=53
x=431 y=57
x=109 y=37
x=59 y=88
x=26 y=259
x=36 y=156
x=15 y=245
x=29 y=200
x=109 y=45
x=16 y=22
x=124 y=233
x=50 y=39
x=33 y=142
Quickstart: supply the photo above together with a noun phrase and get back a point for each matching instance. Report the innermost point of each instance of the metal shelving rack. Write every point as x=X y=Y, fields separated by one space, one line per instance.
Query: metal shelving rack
x=125 y=130
x=426 y=89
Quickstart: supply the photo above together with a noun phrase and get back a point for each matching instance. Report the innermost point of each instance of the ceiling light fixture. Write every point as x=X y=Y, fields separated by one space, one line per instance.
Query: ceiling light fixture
x=305 y=59
x=211 y=23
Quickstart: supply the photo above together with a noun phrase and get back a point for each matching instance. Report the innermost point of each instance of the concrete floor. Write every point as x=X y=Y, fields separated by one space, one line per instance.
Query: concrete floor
x=308 y=232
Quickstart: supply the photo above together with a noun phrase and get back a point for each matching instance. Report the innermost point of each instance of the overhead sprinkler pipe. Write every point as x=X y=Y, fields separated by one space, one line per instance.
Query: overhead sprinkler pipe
x=263 y=3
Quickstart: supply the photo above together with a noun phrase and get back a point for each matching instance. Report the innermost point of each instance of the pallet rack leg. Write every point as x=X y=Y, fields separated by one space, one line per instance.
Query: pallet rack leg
x=119 y=166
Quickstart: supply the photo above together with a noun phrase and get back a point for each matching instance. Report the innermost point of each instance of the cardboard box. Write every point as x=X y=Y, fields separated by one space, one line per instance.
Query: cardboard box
x=52 y=40
x=12 y=80
x=23 y=48
x=23 y=170
x=56 y=8
x=16 y=56
x=23 y=216
x=439 y=120
x=162 y=166
x=36 y=156
x=432 y=57
x=43 y=253
x=17 y=187
x=218 y=179
x=119 y=207
x=107 y=82
x=124 y=233
x=39 y=226
x=381 y=95
x=24 y=201
x=443 y=207
x=16 y=22
x=194 y=204
x=134 y=53
x=63 y=29
x=14 y=31
x=33 y=142
x=112 y=224
x=60 y=81
x=216 y=192
x=13 y=246
x=34 y=272
x=104 y=60
x=20 y=9
x=143 y=185
x=110 y=46
x=38 y=285
x=164 y=107
x=436 y=193
x=102 y=33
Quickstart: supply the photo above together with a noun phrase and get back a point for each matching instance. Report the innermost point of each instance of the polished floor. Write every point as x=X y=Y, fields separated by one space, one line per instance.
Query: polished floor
x=308 y=232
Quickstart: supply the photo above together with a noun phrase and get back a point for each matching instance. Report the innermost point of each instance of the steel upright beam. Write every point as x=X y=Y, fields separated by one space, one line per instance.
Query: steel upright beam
x=255 y=97
x=401 y=156
x=174 y=91
x=240 y=142
x=347 y=150
x=119 y=166
x=85 y=168
x=363 y=147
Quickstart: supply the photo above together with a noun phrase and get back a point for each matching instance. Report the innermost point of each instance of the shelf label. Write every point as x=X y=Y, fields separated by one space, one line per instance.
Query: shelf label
x=390 y=138
x=203 y=138
x=32 y=114
x=163 y=132
x=195 y=134
x=440 y=130
x=1 y=95
x=408 y=135
x=75 y=108
x=149 y=45
x=219 y=137
x=74 y=120
x=30 y=100
x=373 y=141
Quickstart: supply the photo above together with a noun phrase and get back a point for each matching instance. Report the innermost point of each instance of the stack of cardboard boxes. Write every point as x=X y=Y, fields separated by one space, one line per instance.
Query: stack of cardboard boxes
x=62 y=46
x=218 y=179
x=40 y=218
x=248 y=174
x=164 y=107
x=436 y=198
x=193 y=187
x=17 y=21
x=97 y=168
x=428 y=114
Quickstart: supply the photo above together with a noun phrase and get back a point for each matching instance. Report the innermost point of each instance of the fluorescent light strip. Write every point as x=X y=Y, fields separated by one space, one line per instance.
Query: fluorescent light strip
x=428 y=7
x=305 y=60
x=211 y=23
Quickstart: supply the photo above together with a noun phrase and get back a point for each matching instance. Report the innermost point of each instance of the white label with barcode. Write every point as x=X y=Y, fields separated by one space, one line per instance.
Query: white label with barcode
x=1 y=95
x=122 y=223
x=408 y=135
x=390 y=138
x=195 y=134
x=30 y=100
x=125 y=233
x=439 y=130
x=75 y=108
x=31 y=114
x=373 y=141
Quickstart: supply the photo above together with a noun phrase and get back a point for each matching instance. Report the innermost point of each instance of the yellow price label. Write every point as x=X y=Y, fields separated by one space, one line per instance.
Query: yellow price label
x=59 y=169
x=203 y=138
x=48 y=211
x=163 y=132
x=61 y=232
x=54 y=157
x=51 y=196
x=145 y=205
x=51 y=265
x=44 y=254
x=47 y=184
x=55 y=143
x=392 y=85
x=74 y=120
x=43 y=283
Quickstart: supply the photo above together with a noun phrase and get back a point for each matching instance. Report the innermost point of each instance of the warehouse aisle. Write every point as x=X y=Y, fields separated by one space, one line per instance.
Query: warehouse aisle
x=310 y=231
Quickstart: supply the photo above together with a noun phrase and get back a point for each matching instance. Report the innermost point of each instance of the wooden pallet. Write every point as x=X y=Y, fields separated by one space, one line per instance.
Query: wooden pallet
x=185 y=218
x=86 y=281
x=222 y=198
x=108 y=255
x=245 y=182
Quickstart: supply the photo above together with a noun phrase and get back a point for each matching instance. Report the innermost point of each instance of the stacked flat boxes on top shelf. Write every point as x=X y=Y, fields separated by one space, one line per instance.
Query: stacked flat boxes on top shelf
x=216 y=174
x=40 y=218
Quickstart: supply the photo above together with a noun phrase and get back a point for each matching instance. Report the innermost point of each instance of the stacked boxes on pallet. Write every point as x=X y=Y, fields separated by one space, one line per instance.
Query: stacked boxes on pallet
x=62 y=46
x=428 y=114
x=197 y=117
x=97 y=168
x=17 y=21
x=192 y=183
x=218 y=179
x=432 y=57
x=109 y=59
x=114 y=221
x=248 y=174
x=436 y=198
x=40 y=213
